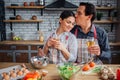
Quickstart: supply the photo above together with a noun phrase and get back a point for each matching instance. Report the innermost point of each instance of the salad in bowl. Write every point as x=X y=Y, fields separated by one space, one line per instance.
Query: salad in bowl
x=66 y=70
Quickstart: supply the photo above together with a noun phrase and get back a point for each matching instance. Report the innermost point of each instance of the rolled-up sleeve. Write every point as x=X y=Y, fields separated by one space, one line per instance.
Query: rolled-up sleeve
x=105 y=48
x=72 y=48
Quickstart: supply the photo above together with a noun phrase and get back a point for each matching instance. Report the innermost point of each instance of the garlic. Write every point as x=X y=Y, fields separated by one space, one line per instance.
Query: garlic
x=111 y=76
x=104 y=71
x=104 y=76
x=107 y=73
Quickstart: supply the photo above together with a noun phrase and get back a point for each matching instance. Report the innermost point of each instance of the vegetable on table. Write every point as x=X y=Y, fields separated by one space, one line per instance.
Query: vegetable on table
x=67 y=70
x=88 y=66
x=32 y=76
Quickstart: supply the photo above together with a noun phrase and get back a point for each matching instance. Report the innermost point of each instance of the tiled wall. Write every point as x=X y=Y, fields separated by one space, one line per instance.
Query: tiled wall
x=28 y=31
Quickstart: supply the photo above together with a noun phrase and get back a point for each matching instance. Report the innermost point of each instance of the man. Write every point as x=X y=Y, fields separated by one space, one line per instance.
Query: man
x=84 y=29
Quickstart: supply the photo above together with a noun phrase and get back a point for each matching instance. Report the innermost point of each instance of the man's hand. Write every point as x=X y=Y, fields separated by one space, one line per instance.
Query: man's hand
x=94 y=50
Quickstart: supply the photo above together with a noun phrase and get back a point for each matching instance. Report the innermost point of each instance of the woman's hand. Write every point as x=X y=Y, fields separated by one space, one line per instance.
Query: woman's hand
x=40 y=52
x=58 y=45
x=95 y=49
x=55 y=43
x=50 y=42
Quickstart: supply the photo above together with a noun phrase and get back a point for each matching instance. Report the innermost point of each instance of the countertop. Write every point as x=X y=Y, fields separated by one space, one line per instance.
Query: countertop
x=53 y=72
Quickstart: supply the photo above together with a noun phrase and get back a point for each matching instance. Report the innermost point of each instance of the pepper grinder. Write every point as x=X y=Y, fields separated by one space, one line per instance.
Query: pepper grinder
x=41 y=2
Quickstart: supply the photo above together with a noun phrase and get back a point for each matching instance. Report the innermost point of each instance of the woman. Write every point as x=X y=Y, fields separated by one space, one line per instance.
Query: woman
x=61 y=45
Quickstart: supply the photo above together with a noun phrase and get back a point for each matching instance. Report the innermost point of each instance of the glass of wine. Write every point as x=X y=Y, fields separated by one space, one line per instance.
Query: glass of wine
x=56 y=51
x=93 y=42
x=90 y=42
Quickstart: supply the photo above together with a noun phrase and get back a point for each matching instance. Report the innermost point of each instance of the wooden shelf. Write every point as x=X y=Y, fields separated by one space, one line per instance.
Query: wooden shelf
x=25 y=7
x=105 y=8
x=28 y=21
x=23 y=20
x=114 y=43
x=37 y=42
x=105 y=21
x=39 y=7
x=22 y=42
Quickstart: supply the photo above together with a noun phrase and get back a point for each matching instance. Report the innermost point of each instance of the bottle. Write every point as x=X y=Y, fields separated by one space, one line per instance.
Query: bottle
x=41 y=38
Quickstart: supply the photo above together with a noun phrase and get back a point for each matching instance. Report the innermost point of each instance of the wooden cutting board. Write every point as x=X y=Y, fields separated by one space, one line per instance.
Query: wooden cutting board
x=89 y=75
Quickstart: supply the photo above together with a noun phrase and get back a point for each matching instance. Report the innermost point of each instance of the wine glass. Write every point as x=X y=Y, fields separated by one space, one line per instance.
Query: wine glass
x=56 y=51
x=90 y=42
x=93 y=42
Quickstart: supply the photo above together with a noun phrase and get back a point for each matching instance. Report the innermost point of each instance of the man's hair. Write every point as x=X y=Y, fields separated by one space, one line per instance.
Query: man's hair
x=89 y=9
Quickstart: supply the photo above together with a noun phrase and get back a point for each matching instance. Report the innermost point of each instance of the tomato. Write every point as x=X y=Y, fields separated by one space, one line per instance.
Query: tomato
x=86 y=67
x=91 y=64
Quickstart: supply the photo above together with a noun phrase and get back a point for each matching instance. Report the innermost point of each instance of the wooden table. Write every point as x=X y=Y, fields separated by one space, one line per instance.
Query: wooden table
x=53 y=73
x=51 y=68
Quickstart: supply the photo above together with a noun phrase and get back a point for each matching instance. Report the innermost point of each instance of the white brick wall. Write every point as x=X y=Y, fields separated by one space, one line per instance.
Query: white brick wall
x=28 y=31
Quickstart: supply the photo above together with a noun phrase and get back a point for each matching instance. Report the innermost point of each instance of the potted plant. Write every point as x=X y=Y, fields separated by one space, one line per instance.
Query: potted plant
x=99 y=15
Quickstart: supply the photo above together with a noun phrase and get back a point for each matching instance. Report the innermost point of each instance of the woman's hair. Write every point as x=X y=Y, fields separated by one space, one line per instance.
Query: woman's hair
x=67 y=13
x=89 y=9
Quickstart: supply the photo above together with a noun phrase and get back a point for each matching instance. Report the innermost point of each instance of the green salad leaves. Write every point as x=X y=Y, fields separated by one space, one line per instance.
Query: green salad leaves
x=67 y=70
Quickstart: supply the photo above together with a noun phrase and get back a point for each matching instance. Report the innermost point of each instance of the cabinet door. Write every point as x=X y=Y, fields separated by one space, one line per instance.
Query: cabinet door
x=22 y=52
x=5 y=54
x=115 y=53
x=115 y=58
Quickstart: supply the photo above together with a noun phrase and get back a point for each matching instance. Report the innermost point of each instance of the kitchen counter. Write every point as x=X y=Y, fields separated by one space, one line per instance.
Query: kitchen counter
x=53 y=72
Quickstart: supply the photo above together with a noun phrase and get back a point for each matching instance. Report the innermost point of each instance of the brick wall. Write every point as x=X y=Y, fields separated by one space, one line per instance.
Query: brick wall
x=28 y=31
x=118 y=28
